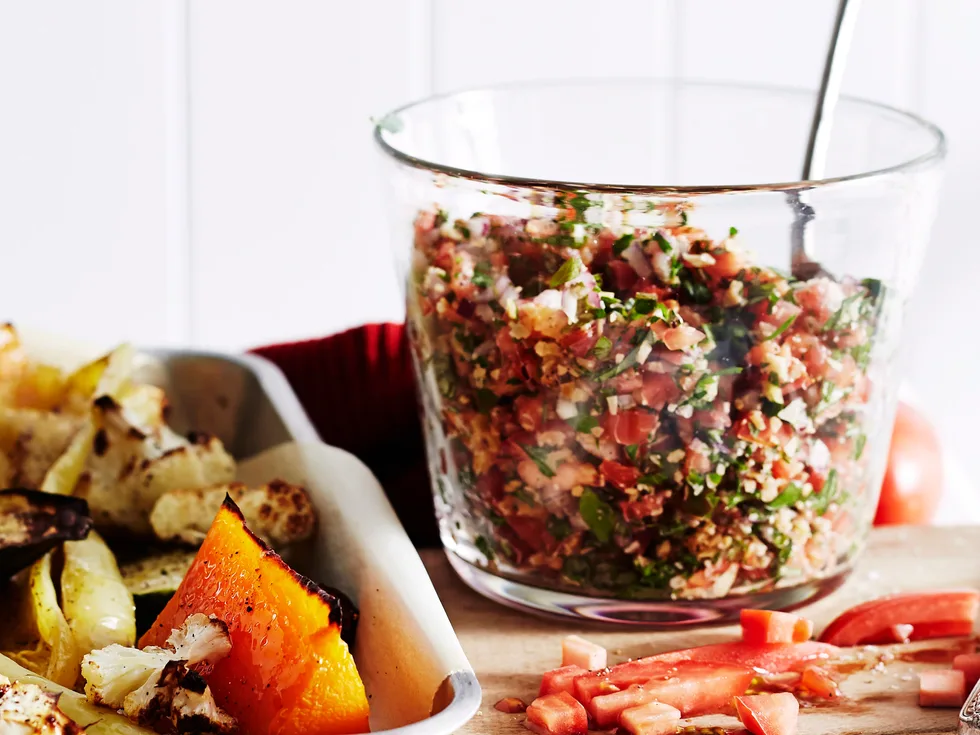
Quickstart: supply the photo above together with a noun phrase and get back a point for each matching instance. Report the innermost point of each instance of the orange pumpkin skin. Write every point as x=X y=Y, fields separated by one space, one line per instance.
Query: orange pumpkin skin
x=288 y=672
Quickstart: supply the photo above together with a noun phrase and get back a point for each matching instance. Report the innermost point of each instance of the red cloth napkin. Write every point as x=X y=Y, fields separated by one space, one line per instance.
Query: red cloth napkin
x=359 y=391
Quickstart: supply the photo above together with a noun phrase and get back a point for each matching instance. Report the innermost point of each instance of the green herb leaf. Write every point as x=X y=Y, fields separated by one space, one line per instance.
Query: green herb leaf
x=569 y=270
x=781 y=328
x=684 y=219
x=732 y=231
x=598 y=514
x=622 y=243
x=586 y=423
x=662 y=242
x=629 y=361
x=790 y=495
x=559 y=528
x=540 y=457
x=828 y=493
x=602 y=348
x=484 y=546
x=481 y=276
x=631 y=450
x=580 y=204
x=859 y=445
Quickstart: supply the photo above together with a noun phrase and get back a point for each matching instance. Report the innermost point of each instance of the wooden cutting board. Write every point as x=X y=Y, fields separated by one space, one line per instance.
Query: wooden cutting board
x=510 y=650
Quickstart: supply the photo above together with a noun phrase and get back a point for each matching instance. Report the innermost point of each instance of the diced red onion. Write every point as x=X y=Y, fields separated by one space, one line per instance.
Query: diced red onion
x=569 y=304
x=479 y=226
x=550 y=299
x=635 y=256
x=625 y=402
x=566 y=409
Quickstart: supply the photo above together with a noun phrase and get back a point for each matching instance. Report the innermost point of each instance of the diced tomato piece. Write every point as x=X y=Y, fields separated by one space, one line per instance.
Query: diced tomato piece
x=941 y=629
x=693 y=688
x=557 y=714
x=580 y=341
x=942 y=688
x=658 y=390
x=529 y=411
x=775 y=658
x=819 y=682
x=620 y=275
x=864 y=622
x=969 y=664
x=576 y=651
x=560 y=680
x=652 y=718
x=620 y=475
x=770 y=626
x=596 y=684
x=632 y=427
x=682 y=336
x=607 y=708
x=768 y=714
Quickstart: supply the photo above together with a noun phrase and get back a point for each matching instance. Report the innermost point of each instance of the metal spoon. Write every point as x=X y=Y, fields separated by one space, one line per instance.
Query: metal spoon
x=804 y=266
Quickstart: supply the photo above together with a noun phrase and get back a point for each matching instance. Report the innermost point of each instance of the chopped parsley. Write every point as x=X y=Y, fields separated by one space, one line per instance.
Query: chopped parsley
x=540 y=457
x=481 y=275
x=781 y=328
x=622 y=243
x=569 y=269
x=598 y=514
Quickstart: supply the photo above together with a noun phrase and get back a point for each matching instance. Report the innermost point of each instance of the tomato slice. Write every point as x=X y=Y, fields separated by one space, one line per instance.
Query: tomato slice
x=619 y=475
x=969 y=664
x=942 y=688
x=576 y=651
x=932 y=614
x=819 y=683
x=693 y=688
x=653 y=718
x=768 y=714
x=560 y=680
x=770 y=626
x=557 y=714
x=633 y=426
x=775 y=658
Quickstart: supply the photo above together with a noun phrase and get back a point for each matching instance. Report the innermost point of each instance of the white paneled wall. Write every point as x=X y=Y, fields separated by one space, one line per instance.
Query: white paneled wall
x=202 y=172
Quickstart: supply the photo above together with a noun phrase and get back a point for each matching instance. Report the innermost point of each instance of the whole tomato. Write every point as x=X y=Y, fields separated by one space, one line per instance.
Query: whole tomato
x=914 y=476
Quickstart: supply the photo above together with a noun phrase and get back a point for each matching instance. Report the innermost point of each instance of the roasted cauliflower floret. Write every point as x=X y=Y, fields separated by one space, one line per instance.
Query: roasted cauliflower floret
x=278 y=513
x=131 y=466
x=26 y=709
x=156 y=686
x=31 y=442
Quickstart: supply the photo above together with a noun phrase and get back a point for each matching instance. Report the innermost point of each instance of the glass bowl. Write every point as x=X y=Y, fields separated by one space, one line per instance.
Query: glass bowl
x=633 y=412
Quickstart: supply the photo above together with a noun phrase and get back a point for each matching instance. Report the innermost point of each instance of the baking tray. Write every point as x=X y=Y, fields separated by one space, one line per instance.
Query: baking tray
x=418 y=679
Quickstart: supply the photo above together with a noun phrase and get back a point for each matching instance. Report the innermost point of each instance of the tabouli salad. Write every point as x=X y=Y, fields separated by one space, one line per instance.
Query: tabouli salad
x=639 y=411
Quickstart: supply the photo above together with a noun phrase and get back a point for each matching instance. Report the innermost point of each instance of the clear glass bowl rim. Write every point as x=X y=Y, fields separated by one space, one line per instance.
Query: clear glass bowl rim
x=935 y=154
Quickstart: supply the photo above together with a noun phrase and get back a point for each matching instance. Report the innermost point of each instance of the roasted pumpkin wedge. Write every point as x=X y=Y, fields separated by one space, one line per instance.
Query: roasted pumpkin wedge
x=289 y=672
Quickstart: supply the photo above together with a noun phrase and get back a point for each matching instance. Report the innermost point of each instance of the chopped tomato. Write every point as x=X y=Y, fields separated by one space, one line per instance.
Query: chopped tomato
x=557 y=714
x=652 y=718
x=969 y=664
x=819 y=683
x=529 y=411
x=768 y=714
x=931 y=614
x=576 y=651
x=774 y=658
x=620 y=475
x=658 y=390
x=942 y=688
x=580 y=341
x=693 y=688
x=596 y=684
x=621 y=275
x=560 y=680
x=632 y=427
x=770 y=626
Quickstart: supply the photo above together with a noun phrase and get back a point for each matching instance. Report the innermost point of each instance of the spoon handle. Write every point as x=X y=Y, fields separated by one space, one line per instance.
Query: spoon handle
x=833 y=72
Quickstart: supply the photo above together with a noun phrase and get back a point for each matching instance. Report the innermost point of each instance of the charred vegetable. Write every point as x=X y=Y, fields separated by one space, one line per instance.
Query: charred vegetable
x=350 y=616
x=240 y=580
x=152 y=581
x=32 y=523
